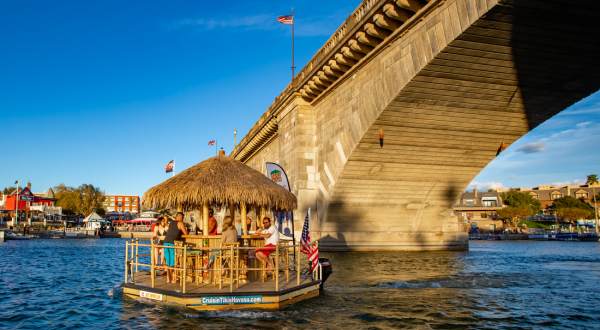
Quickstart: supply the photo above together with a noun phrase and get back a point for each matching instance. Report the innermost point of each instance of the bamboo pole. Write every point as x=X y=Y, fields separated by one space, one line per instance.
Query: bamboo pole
x=152 y=270
x=183 y=275
x=219 y=262
x=262 y=215
x=277 y=267
x=126 y=255
x=205 y=219
x=287 y=264
x=232 y=262
x=257 y=220
x=244 y=217
x=232 y=212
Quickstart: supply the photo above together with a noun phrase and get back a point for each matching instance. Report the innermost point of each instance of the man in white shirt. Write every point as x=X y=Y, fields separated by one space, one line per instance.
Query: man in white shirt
x=271 y=235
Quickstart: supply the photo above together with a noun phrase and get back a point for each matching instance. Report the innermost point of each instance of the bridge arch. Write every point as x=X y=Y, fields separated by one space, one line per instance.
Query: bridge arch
x=444 y=82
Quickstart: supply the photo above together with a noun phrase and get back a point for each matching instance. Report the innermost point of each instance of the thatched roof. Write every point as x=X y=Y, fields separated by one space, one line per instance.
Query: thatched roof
x=218 y=180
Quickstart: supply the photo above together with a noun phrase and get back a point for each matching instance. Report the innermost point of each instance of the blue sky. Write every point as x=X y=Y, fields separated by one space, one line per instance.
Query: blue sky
x=108 y=92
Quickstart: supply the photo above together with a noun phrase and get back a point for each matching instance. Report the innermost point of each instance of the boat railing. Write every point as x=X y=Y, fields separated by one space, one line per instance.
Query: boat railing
x=209 y=264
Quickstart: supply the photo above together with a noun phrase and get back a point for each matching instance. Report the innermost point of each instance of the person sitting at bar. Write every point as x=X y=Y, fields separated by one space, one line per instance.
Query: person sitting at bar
x=174 y=231
x=228 y=233
x=212 y=223
x=248 y=224
x=271 y=235
x=228 y=236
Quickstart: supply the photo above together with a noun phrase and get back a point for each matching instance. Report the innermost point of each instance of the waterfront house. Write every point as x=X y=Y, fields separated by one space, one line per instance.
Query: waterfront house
x=31 y=207
x=480 y=210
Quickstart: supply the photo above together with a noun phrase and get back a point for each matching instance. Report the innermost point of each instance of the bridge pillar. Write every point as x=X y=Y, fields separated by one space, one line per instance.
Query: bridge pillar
x=297 y=153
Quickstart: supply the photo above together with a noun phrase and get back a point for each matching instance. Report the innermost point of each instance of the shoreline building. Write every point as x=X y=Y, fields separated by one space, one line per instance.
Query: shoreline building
x=479 y=209
x=546 y=194
x=32 y=207
x=122 y=204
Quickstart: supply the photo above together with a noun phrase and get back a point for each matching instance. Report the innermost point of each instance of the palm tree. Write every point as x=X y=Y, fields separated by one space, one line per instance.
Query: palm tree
x=592 y=180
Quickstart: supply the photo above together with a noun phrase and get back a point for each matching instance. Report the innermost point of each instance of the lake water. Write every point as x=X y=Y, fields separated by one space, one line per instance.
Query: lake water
x=496 y=285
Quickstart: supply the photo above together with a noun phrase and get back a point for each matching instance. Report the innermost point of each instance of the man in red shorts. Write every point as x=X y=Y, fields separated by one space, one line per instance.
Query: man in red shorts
x=271 y=235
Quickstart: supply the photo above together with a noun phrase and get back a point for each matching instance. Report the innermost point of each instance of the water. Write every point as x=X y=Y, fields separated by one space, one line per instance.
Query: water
x=496 y=285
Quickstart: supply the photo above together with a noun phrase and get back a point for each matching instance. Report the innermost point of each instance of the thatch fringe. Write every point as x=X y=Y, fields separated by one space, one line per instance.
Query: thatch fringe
x=219 y=181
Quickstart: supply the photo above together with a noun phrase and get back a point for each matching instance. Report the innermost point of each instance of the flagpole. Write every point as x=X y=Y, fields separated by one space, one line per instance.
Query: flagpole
x=293 y=23
x=17 y=207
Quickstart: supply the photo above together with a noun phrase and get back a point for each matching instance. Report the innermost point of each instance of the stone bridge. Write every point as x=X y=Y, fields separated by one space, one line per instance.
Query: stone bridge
x=409 y=100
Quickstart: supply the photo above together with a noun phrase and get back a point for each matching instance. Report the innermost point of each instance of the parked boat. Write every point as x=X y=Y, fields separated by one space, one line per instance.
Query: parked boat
x=17 y=236
x=538 y=237
x=588 y=237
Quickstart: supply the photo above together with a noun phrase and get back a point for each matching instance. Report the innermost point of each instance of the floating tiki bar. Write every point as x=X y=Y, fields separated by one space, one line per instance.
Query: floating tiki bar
x=212 y=276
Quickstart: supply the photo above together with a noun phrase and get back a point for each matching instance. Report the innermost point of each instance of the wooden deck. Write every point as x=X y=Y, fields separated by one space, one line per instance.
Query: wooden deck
x=142 y=279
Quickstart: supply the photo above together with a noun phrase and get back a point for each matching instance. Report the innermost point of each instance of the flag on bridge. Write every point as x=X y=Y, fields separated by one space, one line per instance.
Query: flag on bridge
x=311 y=251
x=286 y=19
x=212 y=142
x=170 y=166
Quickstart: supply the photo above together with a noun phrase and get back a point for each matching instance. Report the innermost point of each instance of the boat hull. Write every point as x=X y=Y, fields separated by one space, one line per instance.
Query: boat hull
x=211 y=301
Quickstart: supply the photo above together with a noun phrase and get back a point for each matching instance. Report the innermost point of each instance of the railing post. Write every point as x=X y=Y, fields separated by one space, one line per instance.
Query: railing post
x=287 y=263
x=126 y=257
x=137 y=250
x=183 y=277
x=152 y=257
x=297 y=247
x=232 y=262
x=277 y=267
x=217 y=266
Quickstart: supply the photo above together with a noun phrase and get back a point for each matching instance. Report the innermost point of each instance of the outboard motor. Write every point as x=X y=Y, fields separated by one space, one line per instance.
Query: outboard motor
x=326 y=269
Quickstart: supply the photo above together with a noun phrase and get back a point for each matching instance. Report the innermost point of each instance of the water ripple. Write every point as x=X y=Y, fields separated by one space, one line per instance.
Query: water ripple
x=496 y=285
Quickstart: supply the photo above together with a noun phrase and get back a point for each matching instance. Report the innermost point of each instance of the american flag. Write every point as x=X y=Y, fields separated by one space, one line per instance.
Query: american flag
x=169 y=167
x=212 y=142
x=311 y=251
x=286 y=19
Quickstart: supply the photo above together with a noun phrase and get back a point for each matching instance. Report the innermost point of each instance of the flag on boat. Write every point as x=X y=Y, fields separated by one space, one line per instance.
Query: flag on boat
x=286 y=19
x=170 y=166
x=311 y=251
x=212 y=142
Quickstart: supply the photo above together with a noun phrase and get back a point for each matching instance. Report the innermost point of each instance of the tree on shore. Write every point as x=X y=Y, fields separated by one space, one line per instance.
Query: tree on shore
x=519 y=205
x=8 y=190
x=572 y=209
x=82 y=200
x=592 y=180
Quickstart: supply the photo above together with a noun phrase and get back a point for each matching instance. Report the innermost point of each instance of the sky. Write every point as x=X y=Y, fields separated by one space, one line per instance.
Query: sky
x=107 y=92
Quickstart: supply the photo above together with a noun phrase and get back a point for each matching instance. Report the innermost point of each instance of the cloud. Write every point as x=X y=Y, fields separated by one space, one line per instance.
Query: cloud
x=261 y=21
x=486 y=185
x=568 y=183
x=532 y=147
x=583 y=124
x=305 y=27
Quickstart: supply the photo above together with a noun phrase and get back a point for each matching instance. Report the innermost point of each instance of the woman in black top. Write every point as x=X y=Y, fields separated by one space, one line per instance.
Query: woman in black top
x=174 y=231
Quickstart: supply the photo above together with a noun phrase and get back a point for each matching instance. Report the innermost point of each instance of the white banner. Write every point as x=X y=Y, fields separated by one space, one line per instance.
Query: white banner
x=283 y=220
x=276 y=173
